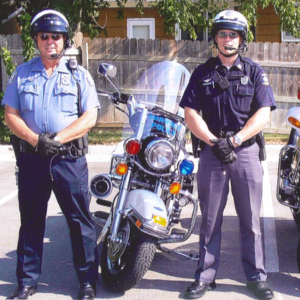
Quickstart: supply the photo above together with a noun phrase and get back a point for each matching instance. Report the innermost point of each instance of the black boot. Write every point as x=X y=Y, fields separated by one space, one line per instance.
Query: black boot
x=87 y=291
x=23 y=292
x=260 y=289
x=197 y=289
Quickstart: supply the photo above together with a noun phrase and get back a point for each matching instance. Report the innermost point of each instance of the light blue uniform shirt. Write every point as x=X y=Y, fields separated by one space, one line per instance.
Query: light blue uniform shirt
x=49 y=104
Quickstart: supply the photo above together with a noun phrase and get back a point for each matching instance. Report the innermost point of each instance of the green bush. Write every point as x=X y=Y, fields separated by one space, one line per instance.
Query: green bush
x=28 y=52
x=4 y=130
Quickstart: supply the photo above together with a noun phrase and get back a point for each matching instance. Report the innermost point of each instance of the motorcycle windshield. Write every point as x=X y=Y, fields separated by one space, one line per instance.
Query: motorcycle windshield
x=162 y=87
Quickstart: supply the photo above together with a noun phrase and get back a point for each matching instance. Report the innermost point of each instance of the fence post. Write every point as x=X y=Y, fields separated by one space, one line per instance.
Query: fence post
x=85 y=55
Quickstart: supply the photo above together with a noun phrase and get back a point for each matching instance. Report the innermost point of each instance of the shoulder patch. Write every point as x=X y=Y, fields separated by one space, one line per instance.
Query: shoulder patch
x=12 y=77
x=248 y=60
x=89 y=79
x=264 y=79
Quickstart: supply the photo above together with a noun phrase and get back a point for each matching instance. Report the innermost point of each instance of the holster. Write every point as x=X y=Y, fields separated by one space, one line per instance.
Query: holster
x=15 y=142
x=80 y=146
x=260 y=140
x=196 y=145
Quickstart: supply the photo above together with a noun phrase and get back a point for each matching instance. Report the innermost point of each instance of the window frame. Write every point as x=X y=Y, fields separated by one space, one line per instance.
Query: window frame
x=141 y=22
x=288 y=38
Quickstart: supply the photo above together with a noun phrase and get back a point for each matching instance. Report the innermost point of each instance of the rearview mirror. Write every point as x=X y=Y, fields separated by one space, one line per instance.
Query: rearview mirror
x=107 y=70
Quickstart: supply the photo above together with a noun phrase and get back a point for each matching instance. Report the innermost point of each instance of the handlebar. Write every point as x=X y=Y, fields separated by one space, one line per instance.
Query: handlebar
x=115 y=97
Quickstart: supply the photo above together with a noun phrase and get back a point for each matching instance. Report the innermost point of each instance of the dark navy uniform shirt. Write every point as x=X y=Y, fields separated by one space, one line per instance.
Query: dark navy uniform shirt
x=228 y=109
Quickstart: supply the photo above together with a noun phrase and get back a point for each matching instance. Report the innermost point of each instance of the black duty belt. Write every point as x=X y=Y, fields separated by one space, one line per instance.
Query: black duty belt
x=74 y=152
x=246 y=143
x=25 y=147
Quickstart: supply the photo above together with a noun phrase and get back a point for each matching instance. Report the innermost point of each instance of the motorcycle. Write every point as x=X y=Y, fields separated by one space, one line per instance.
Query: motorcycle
x=288 y=178
x=151 y=175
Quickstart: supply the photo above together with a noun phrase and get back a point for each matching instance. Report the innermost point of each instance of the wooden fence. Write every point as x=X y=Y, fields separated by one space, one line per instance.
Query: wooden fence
x=133 y=57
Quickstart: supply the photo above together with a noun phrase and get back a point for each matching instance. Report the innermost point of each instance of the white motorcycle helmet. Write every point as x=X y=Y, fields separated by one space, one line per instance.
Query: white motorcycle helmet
x=50 y=20
x=231 y=20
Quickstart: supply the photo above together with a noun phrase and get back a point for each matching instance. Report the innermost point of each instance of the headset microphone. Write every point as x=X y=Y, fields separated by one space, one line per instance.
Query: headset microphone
x=230 y=48
x=57 y=55
x=54 y=55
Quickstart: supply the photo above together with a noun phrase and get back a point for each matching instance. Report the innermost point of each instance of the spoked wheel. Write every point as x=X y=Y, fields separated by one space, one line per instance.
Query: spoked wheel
x=125 y=263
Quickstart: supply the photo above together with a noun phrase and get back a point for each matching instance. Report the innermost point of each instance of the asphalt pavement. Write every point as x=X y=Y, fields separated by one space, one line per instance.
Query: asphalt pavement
x=169 y=274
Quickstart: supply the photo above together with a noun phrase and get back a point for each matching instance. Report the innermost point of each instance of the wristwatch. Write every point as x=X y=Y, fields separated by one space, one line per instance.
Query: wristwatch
x=56 y=138
x=237 y=140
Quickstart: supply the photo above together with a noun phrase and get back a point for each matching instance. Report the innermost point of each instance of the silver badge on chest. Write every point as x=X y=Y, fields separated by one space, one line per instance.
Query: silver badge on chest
x=244 y=80
x=66 y=79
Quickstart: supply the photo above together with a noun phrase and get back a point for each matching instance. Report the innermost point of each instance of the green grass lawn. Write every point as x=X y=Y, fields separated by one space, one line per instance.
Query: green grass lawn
x=107 y=137
x=273 y=138
x=110 y=137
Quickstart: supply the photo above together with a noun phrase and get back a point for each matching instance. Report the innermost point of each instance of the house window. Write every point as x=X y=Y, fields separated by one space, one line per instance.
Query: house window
x=202 y=35
x=287 y=37
x=141 y=28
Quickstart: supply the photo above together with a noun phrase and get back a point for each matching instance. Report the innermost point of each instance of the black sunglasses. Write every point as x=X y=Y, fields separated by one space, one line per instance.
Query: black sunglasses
x=223 y=34
x=54 y=37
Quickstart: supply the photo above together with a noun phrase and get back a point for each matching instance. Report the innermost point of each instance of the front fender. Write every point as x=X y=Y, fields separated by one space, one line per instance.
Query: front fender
x=146 y=204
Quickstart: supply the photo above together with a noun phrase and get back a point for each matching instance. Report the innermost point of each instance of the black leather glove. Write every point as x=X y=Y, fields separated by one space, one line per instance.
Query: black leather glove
x=222 y=148
x=229 y=159
x=46 y=146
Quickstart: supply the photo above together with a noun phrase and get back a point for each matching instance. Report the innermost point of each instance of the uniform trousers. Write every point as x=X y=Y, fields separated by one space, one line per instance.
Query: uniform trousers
x=245 y=176
x=70 y=186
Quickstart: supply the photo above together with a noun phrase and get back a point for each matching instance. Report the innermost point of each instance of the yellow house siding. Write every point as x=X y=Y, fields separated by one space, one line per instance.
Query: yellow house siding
x=10 y=27
x=118 y=28
x=267 y=27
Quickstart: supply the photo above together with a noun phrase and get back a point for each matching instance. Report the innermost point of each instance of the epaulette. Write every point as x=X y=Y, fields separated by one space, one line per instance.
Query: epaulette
x=81 y=68
x=248 y=60
x=27 y=63
x=251 y=63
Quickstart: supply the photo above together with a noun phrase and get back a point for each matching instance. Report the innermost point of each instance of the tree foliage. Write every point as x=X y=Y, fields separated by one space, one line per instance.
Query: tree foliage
x=188 y=14
x=81 y=13
x=28 y=52
x=10 y=67
x=28 y=44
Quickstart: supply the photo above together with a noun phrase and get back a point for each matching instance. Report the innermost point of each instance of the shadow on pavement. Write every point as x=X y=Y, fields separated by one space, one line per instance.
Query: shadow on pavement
x=59 y=278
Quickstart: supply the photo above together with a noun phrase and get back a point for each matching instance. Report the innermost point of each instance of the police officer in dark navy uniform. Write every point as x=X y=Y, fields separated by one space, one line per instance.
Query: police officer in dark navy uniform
x=235 y=99
x=51 y=105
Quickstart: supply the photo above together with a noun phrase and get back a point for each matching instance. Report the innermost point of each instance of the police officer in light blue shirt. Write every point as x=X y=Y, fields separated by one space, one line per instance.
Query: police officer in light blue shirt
x=235 y=99
x=51 y=104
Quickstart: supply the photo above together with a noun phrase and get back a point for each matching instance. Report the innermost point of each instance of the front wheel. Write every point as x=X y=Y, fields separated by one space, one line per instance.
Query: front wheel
x=124 y=273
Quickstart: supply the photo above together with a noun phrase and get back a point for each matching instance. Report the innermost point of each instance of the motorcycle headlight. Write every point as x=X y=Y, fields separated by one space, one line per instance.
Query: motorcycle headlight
x=159 y=154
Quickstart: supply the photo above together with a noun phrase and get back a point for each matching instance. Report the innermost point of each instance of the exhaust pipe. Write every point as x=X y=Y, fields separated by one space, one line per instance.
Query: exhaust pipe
x=101 y=186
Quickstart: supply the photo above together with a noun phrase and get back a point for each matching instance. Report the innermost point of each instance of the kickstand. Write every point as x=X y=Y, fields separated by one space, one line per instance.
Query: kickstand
x=190 y=256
